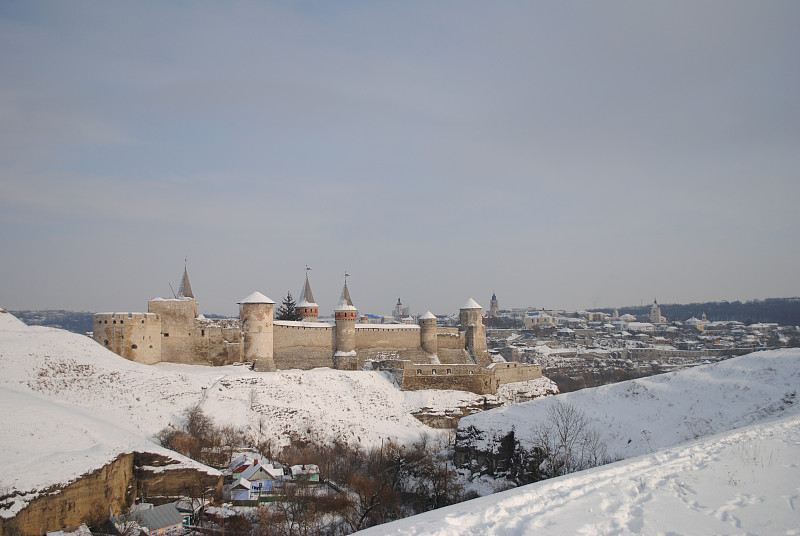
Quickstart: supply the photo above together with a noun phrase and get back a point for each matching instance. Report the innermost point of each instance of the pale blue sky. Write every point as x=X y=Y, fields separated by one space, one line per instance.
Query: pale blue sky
x=563 y=154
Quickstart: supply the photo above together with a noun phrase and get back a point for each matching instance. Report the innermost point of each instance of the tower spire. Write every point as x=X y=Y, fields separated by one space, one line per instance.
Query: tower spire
x=185 y=290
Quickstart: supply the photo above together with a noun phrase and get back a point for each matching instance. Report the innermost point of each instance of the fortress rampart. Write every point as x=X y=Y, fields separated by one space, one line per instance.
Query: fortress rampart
x=446 y=358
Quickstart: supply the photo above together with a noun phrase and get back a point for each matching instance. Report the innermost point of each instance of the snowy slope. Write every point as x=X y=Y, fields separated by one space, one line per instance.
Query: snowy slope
x=638 y=416
x=745 y=481
x=68 y=406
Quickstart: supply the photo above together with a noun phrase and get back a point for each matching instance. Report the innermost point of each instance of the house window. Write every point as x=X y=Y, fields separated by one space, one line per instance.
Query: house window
x=433 y=371
x=472 y=372
x=166 y=334
x=449 y=371
x=115 y=322
x=134 y=347
x=202 y=333
x=105 y=342
x=419 y=370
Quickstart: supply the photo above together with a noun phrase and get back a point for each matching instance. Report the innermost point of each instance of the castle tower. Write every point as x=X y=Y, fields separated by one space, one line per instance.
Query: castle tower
x=427 y=334
x=655 y=313
x=344 y=356
x=306 y=305
x=256 y=316
x=398 y=309
x=494 y=307
x=178 y=316
x=470 y=316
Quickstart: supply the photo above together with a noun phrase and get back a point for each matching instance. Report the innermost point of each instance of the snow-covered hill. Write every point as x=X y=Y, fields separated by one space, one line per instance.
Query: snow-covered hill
x=68 y=406
x=746 y=481
x=637 y=416
x=709 y=450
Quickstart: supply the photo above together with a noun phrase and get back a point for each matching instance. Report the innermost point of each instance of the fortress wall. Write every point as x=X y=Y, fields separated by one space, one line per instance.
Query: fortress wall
x=504 y=373
x=415 y=355
x=134 y=336
x=211 y=343
x=449 y=338
x=375 y=342
x=450 y=346
x=299 y=345
x=396 y=337
x=460 y=377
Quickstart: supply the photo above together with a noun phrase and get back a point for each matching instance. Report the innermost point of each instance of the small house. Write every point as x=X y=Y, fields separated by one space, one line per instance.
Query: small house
x=305 y=473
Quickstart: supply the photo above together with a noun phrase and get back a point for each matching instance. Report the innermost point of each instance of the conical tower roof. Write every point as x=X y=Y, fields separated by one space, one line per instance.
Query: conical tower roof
x=185 y=290
x=306 y=297
x=345 y=303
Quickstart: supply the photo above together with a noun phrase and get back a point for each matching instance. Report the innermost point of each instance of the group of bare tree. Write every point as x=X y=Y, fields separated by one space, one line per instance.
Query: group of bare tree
x=565 y=442
x=360 y=487
x=204 y=441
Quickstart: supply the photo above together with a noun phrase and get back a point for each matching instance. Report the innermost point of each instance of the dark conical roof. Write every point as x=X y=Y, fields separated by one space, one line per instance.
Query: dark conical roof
x=306 y=297
x=185 y=290
x=345 y=303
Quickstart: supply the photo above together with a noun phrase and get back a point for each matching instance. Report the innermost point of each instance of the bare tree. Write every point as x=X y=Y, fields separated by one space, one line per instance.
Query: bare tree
x=567 y=441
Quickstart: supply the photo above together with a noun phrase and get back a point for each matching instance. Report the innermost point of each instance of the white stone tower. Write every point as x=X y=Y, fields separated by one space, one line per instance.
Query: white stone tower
x=427 y=334
x=256 y=316
x=344 y=356
x=655 y=313
x=306 y=305
x=471 y=319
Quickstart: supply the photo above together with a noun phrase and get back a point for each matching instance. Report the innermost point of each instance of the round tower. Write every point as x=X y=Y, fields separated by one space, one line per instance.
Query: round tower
x=470 y=313
x=427 y=334
x=475 y=336
x=344 y=356
x=256 y=315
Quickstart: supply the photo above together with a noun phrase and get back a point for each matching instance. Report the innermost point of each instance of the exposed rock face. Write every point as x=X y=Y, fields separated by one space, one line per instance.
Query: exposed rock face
x=158 y=483
x=87 y=500
x=109 y=491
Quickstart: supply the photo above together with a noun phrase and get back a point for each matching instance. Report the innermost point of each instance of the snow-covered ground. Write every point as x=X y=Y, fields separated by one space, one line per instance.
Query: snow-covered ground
x=745 y=481
x=709 y=450
x=68 y=406
x=638 y=416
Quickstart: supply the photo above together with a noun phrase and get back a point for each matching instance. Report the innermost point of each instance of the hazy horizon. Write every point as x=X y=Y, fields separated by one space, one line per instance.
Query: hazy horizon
x=574 y=155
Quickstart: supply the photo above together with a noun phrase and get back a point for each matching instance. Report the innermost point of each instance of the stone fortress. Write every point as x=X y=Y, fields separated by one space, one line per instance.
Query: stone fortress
x=420 y=356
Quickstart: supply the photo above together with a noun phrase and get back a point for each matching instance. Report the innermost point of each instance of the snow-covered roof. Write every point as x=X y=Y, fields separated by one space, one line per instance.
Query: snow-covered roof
x=428 y=316
x=256 y=297
x=306 y=297
x=307 y=469
x=345 y=303
x=471 y=304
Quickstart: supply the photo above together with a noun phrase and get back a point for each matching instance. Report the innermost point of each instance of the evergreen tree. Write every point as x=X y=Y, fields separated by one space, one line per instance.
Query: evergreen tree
x=288 y=309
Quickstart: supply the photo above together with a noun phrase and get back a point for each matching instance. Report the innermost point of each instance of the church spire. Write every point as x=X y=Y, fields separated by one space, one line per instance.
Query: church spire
x=185 y=290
